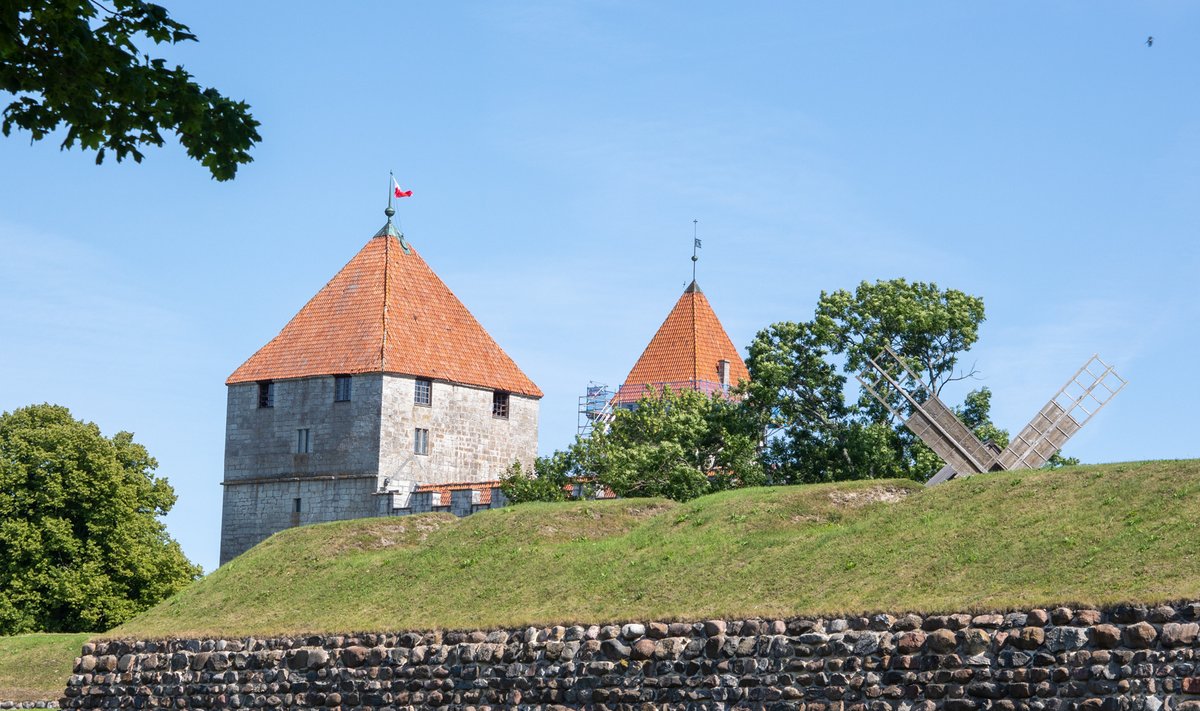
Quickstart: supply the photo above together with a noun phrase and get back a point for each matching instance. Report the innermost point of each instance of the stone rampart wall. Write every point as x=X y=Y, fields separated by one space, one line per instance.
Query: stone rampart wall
x=1128 y=658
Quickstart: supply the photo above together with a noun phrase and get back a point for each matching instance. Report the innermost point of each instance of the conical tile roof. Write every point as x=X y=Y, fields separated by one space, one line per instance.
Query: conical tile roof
x=685 y=351
x=386 y=311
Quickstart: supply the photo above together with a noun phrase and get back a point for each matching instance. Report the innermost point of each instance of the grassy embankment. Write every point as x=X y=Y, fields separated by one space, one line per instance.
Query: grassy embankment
x=1086 y=535
x=35 y=667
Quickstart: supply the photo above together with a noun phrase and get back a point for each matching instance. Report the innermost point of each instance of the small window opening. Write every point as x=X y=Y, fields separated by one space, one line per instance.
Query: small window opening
x=341 y=388
x=303 y=441
x=423 y=392
x=266 y=394
x=296 y=505
x=500 y=404
x=421 y=441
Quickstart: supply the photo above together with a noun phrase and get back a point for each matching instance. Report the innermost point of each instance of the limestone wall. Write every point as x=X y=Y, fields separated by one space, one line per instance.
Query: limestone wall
x=358 y=447
x=1128 y=658
x=260 y=442
x=252 y=511
x=466 y=443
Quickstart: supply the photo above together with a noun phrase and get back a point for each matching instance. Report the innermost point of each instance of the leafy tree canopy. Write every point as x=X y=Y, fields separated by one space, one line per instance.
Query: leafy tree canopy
x=799 y=372
x=927 y=326
x=549 y=480
x=81 y=546
x=75 y=62
x=681 y=445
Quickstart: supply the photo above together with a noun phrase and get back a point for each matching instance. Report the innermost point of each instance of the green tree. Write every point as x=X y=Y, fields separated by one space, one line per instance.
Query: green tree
x=549 y=481
x=926 y=326
x=681 y=445
x=798 y=373
x=75 y=63
x=799 y=370
x=81 y=546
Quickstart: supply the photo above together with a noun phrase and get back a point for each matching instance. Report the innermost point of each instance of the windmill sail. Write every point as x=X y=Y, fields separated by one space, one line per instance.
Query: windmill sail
x=925 y=415
x=900 y=390
x=1076 y=402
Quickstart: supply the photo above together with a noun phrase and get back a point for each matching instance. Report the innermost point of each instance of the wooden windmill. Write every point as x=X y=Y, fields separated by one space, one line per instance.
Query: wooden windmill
x=891 y=382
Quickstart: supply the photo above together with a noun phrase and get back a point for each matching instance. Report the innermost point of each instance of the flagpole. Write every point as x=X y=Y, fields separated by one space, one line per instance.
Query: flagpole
x=391 y=179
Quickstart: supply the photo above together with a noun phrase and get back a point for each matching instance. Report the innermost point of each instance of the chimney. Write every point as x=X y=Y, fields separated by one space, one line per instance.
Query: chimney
x=723 y=372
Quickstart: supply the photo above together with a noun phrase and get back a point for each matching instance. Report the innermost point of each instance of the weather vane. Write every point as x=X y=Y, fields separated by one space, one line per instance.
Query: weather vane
x=695 y=247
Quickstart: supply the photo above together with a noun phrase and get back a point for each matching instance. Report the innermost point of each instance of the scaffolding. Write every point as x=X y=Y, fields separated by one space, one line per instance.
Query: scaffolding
x=595 y=407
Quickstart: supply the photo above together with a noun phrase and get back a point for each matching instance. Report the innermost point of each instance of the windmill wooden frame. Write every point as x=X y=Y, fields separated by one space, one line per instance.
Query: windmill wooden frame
x=1087 y=392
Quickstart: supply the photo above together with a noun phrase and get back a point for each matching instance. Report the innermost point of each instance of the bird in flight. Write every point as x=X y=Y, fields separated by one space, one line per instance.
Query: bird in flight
x=1150 y=41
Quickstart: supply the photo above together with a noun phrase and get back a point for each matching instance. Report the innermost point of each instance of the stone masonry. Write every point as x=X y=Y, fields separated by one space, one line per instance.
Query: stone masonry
x=264 y=474
x=360 y=447
x=466 y=443
x=1126 y=658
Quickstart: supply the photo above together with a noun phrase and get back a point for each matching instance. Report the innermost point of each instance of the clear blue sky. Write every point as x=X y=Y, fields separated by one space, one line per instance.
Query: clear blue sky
x=1036 y=154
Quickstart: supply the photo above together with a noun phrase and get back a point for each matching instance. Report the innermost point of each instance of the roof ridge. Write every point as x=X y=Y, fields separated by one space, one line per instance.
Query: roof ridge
x=387 y=263
x=695 y=340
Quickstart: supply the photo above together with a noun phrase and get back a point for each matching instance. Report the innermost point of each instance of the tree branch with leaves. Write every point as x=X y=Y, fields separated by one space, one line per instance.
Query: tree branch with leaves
x=76 y=63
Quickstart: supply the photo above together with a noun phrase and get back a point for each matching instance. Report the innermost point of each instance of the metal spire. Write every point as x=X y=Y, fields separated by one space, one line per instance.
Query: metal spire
x=390 y=210
x=695 y=247
x=389 y=230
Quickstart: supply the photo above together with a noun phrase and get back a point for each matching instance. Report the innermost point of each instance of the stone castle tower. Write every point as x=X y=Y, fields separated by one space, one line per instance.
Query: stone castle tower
x=690 y=351
x=382 y=382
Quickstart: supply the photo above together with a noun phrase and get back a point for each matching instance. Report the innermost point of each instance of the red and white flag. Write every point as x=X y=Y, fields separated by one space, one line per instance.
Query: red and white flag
x=396 y=189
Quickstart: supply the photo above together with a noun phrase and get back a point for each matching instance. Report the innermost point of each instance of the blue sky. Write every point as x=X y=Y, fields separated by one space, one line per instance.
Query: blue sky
x=1036 y=154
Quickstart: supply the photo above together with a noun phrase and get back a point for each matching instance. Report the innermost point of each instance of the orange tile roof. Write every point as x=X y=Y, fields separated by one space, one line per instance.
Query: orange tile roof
x=386 y=311
x=483 y=487
x=686 y=349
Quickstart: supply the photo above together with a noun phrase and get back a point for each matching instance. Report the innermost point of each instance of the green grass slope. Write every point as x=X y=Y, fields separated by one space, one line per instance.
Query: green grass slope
x=35 y=667
x=1086 y=535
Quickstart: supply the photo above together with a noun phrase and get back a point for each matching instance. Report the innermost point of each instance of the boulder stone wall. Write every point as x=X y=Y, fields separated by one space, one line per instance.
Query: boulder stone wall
x=1127 y=657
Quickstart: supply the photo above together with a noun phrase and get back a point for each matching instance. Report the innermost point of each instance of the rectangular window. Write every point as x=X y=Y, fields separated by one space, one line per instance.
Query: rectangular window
x=295 y=505
x=421 y=441
x=500 y=404
x=423 y=392
x=266 y=394
x=341 y=388
x=303 y=441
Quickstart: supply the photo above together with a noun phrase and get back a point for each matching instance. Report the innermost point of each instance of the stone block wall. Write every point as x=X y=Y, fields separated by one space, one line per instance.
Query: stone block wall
x=252 y=511
x=466 y=443
x=260 y=442
x=359 y=448
x=1127 y=658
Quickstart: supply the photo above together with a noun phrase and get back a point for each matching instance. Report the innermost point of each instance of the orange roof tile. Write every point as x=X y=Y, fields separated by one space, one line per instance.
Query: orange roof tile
x=685 y=350
x=483 y=487
x=386 y=311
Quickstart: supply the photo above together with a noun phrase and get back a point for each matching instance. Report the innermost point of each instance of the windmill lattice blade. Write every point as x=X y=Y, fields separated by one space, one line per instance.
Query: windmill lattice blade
x=1091 y=388
x=929 y=418
x=949 y=438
